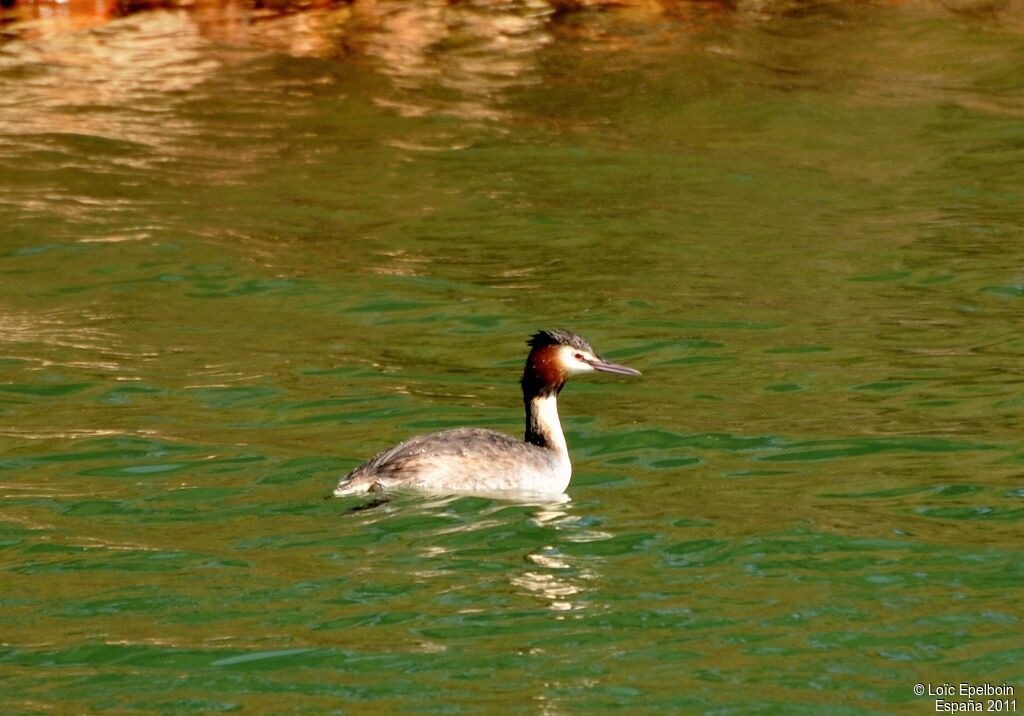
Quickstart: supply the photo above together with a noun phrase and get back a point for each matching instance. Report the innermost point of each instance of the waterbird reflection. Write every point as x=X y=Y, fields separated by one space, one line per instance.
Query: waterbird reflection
x=549 y=575
x=554 y=582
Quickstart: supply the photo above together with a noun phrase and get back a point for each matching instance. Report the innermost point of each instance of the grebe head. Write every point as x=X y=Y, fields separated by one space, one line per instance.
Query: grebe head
x=558 y=355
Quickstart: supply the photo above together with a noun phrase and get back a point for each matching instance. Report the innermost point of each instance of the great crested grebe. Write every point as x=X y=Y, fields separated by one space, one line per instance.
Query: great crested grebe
x=466 y=460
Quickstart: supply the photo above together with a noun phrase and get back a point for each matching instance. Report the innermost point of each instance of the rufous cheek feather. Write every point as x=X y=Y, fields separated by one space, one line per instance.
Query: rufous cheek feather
x=544 y=371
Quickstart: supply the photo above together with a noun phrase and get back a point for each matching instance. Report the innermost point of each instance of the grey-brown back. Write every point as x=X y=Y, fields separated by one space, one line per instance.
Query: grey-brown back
x=460 y=459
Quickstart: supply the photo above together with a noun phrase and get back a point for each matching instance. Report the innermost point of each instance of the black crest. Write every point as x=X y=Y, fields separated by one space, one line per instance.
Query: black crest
x=558 y=337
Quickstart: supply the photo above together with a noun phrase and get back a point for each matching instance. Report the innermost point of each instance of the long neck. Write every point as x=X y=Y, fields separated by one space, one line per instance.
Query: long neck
x=542 y=426
x=543 y=379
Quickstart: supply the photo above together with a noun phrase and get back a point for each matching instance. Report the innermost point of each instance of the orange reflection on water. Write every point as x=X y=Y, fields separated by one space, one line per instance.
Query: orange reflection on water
x=47 y=17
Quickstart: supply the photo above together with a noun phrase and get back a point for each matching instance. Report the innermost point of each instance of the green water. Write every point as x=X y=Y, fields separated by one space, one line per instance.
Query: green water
x=236 y=259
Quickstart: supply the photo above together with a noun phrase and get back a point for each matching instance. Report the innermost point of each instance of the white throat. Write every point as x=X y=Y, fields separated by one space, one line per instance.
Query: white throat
x=544 y=423
x=545 y=415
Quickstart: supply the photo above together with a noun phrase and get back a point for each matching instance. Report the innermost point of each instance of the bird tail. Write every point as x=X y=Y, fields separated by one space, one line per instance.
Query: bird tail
x=350 y=485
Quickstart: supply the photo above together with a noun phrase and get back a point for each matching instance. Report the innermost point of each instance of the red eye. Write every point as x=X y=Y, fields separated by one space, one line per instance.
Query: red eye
x=579 y=356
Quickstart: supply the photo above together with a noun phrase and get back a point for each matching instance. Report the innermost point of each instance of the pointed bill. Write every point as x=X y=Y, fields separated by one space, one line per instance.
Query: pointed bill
x=606 y=367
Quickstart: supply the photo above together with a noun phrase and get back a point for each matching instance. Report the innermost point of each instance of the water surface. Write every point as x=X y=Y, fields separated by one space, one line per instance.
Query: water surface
x=242 y=252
